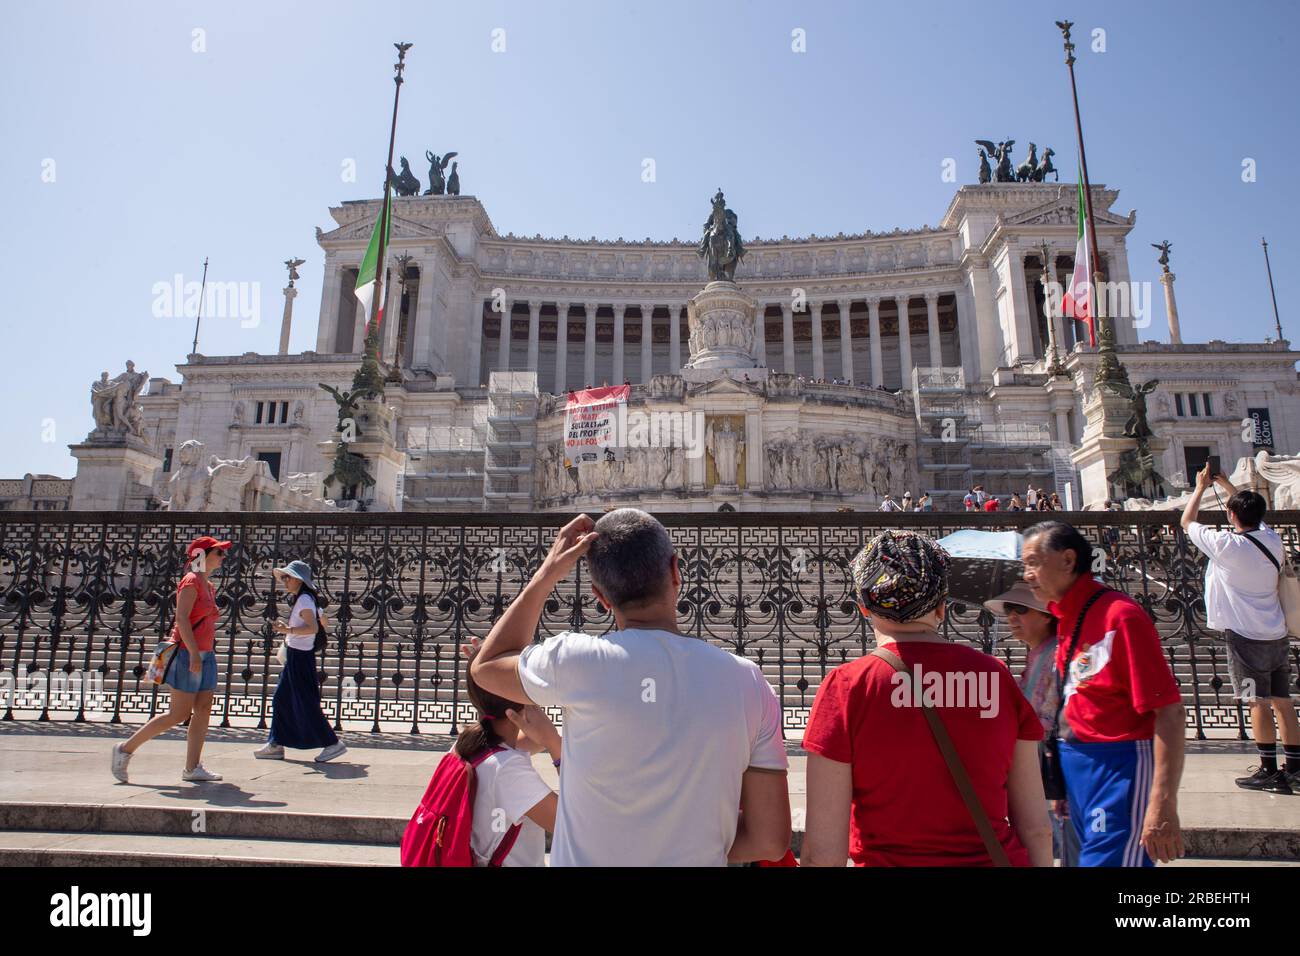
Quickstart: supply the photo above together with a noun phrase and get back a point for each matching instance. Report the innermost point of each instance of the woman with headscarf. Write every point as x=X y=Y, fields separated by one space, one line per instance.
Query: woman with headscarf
x=925 y=752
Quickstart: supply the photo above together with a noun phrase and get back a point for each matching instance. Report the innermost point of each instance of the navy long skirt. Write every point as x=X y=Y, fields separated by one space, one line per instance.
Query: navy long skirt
x=297 y=720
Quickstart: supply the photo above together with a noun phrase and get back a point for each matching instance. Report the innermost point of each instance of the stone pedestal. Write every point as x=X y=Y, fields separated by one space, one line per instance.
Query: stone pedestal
x=114 y=473
x=723 y=329
x=1103 y=443
x=376 y=443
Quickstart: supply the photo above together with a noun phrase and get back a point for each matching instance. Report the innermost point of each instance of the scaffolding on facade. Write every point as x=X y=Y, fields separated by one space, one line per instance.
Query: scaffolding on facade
x=957 y=449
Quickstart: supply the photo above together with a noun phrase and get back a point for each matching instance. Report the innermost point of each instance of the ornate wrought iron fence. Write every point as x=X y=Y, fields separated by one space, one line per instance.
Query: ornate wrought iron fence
x=87 y=596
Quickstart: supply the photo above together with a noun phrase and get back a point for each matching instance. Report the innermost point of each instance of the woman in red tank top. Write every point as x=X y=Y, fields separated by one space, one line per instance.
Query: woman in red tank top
x=192 y=672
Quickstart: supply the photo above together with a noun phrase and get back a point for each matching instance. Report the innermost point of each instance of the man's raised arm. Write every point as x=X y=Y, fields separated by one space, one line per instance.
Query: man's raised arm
x=494 y=667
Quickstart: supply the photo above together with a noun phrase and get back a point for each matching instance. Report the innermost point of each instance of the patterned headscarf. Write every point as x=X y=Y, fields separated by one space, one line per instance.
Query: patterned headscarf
x=901 y=575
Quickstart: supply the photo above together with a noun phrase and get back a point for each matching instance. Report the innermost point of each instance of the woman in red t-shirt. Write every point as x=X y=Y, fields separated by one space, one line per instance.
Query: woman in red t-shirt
x=192 y=672
x=879 y=789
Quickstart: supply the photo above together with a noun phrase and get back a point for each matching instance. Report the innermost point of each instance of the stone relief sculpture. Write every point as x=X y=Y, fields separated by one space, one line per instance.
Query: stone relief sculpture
x=191 y=484
x=842 y=464
x=113 y=403
x=222 y=484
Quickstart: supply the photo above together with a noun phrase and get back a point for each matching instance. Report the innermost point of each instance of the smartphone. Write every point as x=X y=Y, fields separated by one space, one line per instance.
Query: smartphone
x=1216 y=467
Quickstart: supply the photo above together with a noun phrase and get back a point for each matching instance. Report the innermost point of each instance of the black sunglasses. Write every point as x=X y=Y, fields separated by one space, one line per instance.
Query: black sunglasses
x=1016 y=608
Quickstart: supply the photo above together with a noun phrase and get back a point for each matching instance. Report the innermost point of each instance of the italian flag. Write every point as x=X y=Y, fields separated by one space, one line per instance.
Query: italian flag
x=365 y=290
x=1077 y=301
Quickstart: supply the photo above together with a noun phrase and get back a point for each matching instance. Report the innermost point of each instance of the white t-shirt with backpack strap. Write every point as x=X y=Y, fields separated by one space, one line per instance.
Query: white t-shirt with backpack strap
x=508 y=787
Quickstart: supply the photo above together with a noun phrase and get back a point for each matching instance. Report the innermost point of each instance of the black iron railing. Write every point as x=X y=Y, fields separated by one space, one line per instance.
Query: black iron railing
x=87 y=596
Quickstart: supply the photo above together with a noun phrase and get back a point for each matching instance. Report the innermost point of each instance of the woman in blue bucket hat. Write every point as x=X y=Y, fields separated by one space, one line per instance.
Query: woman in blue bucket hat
x=297 y=720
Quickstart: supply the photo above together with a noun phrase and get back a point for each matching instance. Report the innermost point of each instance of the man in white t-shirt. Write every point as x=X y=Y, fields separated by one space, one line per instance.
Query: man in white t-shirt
x=672 y=752
x=1241 y=600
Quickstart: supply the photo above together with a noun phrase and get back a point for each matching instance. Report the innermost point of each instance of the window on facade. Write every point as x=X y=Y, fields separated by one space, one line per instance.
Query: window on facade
x=1205 y=399
x=271 y=413
x=1191 y=404
x=1178 y=404
x=167 y=460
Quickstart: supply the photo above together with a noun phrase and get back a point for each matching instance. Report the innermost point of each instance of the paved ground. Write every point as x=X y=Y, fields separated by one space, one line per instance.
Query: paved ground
x=382 y=776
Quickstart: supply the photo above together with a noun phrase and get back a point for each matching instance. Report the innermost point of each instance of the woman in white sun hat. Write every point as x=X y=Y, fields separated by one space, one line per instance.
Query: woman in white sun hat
x=297 y=720
x=1030 y=623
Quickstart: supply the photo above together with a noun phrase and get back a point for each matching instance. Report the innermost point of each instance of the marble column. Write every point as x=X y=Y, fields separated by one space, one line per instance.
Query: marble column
x=818 y=356
x=617 y=376
x=561 y=348
x=846 y=339
x=475 y=369
x=760 y=335
x=286 y=320
x=359 y=328
x=1171 y=308
x=904 y=341
x=1063 y=426
x=674 y=339
x=503 y=342
x=647 y=342
x=877 y=361
x=932 y=321
x=534 y=331
x=787 y=337
x=426 y=350
x=1022 y=323
x=589 y=357
x=327 y=326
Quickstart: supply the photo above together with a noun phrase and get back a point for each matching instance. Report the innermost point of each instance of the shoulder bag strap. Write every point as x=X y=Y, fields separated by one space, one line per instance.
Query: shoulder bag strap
x=1069 y=656
x=1267 y=553
x=959 y=776
x=508 y=840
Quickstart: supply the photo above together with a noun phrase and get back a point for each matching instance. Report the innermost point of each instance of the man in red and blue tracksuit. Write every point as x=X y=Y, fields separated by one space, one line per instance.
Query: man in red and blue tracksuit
x=1123 y=725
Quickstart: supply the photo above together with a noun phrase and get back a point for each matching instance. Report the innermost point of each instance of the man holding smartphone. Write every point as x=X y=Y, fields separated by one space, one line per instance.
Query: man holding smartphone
x=1241 y=601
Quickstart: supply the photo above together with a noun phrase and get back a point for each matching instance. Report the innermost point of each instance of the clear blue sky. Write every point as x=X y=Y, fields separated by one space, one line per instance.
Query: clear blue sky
x=164 y=155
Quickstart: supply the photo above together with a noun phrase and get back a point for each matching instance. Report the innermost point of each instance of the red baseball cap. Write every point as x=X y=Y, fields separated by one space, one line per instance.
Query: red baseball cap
x=204 y=543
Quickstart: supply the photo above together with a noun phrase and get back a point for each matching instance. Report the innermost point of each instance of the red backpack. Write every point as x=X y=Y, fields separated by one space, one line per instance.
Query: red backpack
x=439 y=831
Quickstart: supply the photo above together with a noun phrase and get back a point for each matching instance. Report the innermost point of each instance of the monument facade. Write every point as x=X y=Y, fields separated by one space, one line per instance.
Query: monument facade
x=809 y=374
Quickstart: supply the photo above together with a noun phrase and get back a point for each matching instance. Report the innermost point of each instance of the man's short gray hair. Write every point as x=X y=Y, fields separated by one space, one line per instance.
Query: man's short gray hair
x=631 y=557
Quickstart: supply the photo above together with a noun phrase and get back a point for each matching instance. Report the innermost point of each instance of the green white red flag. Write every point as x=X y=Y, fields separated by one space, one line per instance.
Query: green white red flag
x=1077 y=301
x=365 y=290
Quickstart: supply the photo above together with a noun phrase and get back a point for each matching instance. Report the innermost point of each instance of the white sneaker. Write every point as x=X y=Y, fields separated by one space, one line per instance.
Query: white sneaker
x=120 y=759
x=197 y=774
x=269 y=752
x=330 y=752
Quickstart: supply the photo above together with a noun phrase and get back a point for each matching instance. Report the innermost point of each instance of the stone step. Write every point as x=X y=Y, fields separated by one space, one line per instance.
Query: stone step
x=60 y=848
x=242 y=833
x=215 y=822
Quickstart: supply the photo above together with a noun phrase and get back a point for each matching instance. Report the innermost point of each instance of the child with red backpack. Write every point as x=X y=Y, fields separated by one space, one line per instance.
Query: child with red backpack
x=486 y=805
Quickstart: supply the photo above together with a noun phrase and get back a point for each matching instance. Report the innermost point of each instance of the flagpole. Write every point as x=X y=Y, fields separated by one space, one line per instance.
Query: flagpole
x=1267 y=265
x=1108 y=368
x=368 y=377
x=203 y=286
